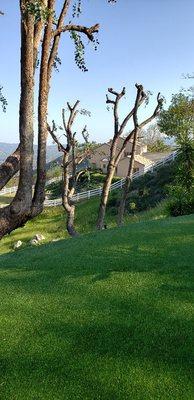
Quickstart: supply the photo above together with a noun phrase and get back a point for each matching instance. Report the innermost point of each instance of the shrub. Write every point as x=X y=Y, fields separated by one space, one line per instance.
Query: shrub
x=132 y=207
x=181 y=202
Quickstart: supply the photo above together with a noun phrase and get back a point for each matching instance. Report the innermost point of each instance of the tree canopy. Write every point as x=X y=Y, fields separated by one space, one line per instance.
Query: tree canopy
x=178 y=120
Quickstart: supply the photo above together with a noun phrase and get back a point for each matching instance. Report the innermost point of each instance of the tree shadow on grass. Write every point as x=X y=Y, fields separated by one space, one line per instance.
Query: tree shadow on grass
x=87 y=257
x=97 y=318
x=131 y=352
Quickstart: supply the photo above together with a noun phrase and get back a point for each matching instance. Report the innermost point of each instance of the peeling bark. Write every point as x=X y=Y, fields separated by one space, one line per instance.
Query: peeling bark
x=16 y=213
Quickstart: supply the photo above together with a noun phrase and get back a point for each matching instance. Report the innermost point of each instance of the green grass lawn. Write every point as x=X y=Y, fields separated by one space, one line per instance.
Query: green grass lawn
x=52 y=223
x=107 y=316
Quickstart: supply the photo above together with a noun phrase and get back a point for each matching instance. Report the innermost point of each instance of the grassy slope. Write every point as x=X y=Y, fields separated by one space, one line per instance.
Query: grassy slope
x=51 y=223
x=104 y=316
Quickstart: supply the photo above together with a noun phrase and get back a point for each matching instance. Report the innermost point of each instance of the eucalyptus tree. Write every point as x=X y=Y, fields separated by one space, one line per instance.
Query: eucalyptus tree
x=41 y=30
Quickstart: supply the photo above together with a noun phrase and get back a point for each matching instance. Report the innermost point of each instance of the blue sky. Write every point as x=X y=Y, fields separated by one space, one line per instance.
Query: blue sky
x=144 y=41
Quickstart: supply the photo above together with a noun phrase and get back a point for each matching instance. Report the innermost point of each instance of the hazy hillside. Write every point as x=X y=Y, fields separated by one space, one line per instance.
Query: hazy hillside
x=8 y=148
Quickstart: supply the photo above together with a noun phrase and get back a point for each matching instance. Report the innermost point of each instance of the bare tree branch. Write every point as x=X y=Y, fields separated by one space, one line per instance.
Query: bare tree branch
x=89 y=32
x=156 y=112
x=54 y=137
x=73 y=113
x=130 y=114
x=85 y=134
x=115 y=151
x=128 y=179
x=118 y=96
x=71 y=159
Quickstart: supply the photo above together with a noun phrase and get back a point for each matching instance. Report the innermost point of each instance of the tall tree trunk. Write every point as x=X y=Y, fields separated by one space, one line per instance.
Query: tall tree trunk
x=104 y=197
x=70 y=221
x=69 y=208
x=16 y=213
x=128 y=180
x=121 y=209
x=9 y=167
x=39 y=193
x=12 y=164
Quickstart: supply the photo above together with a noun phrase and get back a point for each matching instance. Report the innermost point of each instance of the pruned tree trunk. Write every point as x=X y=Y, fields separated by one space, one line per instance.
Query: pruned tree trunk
x=66 y=201
x=104 y=197
x=9 y=167
x=121 y=209
x=128 y=180
x=72 y=157
x=70 y=210
x=70 y=222
x=115 y=152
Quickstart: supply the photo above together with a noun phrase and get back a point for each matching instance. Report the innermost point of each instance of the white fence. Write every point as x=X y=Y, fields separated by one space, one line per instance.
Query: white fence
x=97 y=192
x=119 y=184
x=13 y=189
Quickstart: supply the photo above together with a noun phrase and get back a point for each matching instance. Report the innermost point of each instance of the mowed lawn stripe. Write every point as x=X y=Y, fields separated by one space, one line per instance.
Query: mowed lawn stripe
x=108 y=315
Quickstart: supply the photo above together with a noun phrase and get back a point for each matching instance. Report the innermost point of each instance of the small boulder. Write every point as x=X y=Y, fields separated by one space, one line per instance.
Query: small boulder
x=17 y=244
x=34 y=242
x=39 y=237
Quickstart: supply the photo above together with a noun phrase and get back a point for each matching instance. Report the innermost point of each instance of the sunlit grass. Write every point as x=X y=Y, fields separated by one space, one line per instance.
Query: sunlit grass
x=108 y=315
x=52 y=223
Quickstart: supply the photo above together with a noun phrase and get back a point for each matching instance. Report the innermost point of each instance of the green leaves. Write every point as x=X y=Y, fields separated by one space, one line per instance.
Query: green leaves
x=79 y=51
x=3 y=100
x=57 y=63
x=39 y=11
x=76 y=9
x=178 y=120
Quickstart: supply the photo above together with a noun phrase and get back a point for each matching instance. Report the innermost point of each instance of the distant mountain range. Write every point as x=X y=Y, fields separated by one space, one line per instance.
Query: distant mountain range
x=8 y=148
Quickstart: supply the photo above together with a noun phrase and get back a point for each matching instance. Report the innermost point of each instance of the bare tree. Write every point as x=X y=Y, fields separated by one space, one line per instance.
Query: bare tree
x=116 y=152
x=25 y=205
x=129 y=176
x=72 y=158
